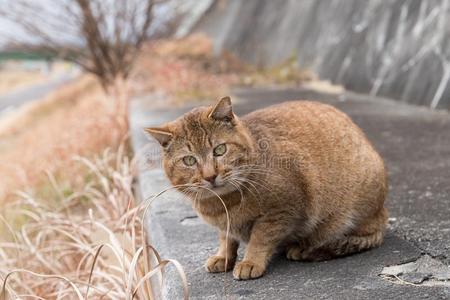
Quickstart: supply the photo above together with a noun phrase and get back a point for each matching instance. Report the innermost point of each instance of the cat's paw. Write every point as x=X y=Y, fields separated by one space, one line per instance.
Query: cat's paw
x=216 y=264
x=294 y=252
x=247 y=270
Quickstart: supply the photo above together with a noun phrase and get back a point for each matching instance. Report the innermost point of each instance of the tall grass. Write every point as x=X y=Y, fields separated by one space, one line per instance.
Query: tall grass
x=91 y=246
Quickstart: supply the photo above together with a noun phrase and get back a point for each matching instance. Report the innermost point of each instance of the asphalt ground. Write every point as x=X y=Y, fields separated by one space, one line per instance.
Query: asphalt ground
x=15 y=99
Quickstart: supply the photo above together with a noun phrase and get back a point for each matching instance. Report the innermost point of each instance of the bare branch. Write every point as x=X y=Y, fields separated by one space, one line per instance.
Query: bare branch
x=102 y=36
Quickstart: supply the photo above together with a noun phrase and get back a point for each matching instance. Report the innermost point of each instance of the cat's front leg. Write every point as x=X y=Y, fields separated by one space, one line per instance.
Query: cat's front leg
x=225 y=257
x=264 y=239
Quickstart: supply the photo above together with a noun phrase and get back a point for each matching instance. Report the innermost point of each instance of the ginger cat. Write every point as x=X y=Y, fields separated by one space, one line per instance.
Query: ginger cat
x=299 y=177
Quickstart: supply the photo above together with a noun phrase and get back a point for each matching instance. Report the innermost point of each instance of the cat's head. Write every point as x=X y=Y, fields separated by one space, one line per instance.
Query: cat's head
x=205 y=147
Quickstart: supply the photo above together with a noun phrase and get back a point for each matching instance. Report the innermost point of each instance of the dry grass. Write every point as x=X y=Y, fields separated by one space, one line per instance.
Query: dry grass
x=183 y=70
x=44 y=136
x=186 y=70
x=287 y=73
x=91 y=245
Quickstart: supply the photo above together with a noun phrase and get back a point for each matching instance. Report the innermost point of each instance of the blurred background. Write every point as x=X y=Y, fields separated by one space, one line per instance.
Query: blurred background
x=179 y=51
x=69 y=70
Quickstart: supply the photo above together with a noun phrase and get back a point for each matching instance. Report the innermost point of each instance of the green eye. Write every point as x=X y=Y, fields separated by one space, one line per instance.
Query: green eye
x=189 y=160
x=220 y=150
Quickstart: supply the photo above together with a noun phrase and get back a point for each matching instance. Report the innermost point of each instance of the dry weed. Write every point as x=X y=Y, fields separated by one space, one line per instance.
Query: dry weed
x=182 y=70
x=73 y=120
x=187 y=69
x=92 y=245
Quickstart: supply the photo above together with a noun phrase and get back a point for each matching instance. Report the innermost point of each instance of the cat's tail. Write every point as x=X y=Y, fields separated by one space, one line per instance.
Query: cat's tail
x=345 y=246
x=355 y=243
x=367 y=236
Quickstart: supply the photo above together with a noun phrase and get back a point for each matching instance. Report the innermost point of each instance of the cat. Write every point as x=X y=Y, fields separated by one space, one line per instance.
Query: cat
x=298 y=177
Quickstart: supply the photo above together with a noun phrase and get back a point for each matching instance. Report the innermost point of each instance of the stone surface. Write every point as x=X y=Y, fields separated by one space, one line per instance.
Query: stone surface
x=425 y=268
x=415 y=143
x=394 y=48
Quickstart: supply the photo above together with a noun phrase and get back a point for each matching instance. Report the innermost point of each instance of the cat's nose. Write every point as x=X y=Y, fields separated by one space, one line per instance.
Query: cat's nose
x=211 y=179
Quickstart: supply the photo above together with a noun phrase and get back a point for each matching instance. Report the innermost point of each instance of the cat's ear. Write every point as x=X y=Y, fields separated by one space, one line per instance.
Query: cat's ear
x=161 y=134
x=223 y=110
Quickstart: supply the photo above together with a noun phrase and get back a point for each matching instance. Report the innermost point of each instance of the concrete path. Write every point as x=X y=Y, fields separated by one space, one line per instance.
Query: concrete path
x=415 y=143
x=11 y=101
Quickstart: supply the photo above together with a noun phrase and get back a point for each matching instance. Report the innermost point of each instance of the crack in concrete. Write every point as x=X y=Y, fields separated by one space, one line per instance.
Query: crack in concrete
x=438 y=254
x=190 y=220
x=426 y=271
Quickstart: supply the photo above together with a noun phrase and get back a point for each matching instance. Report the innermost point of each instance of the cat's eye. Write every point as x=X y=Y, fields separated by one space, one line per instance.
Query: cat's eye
x=189 y=160
x=220 y=150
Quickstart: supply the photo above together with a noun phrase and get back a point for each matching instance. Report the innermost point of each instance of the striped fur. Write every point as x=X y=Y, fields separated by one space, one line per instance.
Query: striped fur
x=299 y=176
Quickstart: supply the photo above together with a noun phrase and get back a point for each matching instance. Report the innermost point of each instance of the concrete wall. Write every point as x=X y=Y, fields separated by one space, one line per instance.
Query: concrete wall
x=394 y=48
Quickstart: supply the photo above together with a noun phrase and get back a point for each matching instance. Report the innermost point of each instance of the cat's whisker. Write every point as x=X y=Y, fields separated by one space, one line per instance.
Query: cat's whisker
x=241 y=180
x=236 y=185
x=252 y=186
x=242 y=196
x=193 y=192
x=247 y=172
x=198 y=196
x=253 y=182
x=242 y=183
x=262 y=185
x=261 y=176
x=265 y=170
